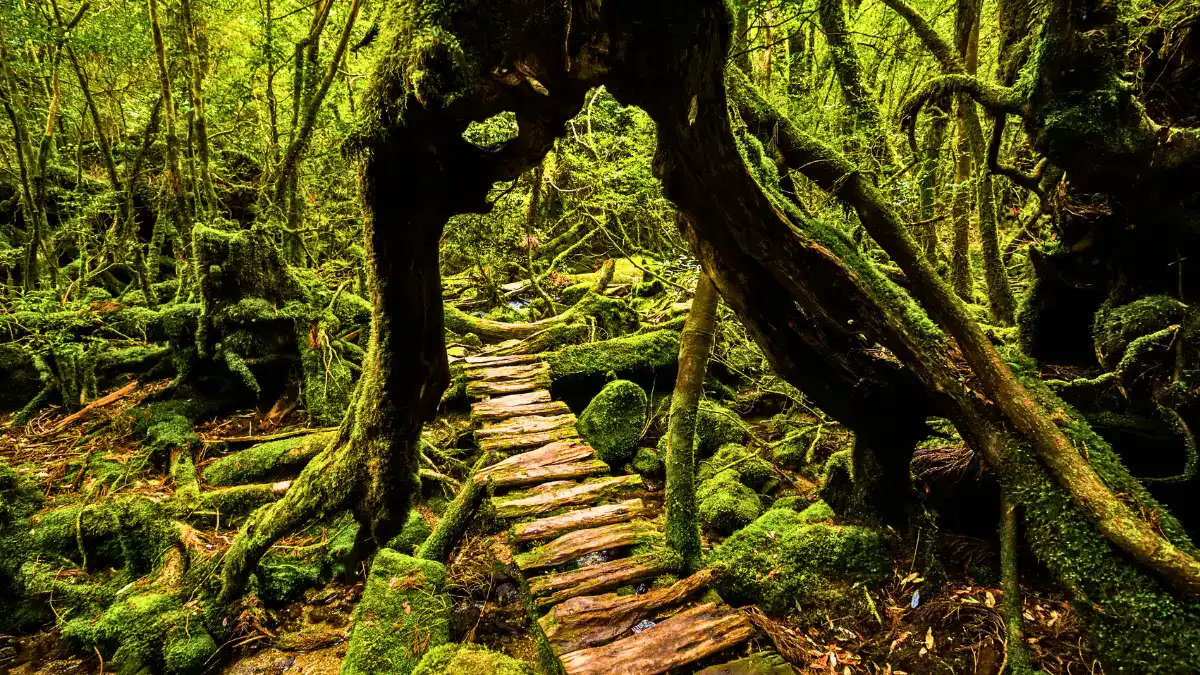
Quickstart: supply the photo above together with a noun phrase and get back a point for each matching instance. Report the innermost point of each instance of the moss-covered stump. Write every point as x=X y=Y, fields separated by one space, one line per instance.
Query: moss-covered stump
x=612 y=423
x=716 y=426
x=266 y=460
x=726 y=504
x=785 y=559
x=146 y=633
x=458 y=659
x=404 y=612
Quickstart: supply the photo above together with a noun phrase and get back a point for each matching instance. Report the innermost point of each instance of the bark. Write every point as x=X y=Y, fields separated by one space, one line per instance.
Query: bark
x=174 y=177
x=1010 y=582
x=695 y=344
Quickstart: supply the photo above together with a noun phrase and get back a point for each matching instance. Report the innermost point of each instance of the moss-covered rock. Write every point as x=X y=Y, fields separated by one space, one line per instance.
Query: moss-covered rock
x=716 y=426
x=726 y=504
x=412 y=535
x=786 y=558
x=266 y=460
x=146 y=632
x=753 y=471
x=612 y=423
x=404 y=612
x=460 y=659
x=650 y=462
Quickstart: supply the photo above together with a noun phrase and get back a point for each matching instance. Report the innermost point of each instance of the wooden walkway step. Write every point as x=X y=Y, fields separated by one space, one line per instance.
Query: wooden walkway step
x=682 y=639
x=591 y=621
x=555 y=470
x=598 y=578
x=582 y=542
x=535 y=402
x=588 y=492
x=552 y=526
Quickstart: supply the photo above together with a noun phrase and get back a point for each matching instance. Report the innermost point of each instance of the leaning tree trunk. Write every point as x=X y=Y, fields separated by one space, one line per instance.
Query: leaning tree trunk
x=682 y=528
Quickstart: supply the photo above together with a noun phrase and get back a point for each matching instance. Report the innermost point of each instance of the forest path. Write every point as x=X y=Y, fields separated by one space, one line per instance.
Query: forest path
x=578 y=534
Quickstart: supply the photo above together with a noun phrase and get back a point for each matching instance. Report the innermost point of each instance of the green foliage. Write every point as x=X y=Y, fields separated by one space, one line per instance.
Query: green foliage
x=404 y=612
x=612 y=423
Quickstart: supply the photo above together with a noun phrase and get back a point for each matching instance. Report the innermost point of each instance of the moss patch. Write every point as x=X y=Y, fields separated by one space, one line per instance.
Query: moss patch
x=632 y=353
x=457 y=659
x=753 y=471
x=716 y=426
x=266 y=460
x=154 y=632
x=726 y=504
x=404 y=613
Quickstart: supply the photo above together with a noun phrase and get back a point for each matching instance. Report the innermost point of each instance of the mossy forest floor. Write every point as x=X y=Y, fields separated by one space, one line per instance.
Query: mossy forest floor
x=895 y=622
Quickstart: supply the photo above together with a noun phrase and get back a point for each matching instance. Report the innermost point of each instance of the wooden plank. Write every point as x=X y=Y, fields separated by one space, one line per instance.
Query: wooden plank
x=682 y=639
x=530 y=424
x=558 y=452
x=489 y=361
x=520 y=442
x=555 y=472
x=478 y=388
x=762 y=663
x=503 y=373
x=589 y=492
x=582 y=542
x=599 y=577
x=594 y=620
x=605 y=514
x=496 y=414
x=539 y=396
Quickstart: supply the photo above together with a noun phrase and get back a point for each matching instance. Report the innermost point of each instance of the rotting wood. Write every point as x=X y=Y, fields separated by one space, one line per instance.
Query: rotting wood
x=529 y=424
x=582 y=542
x=522 y=441
x=478 y=388
x=591 y=621
x=91 y=407
x=519 y=506
x=553 y=526
x=599 y=578
x=558 y=452
x=517 y=477
x=682 y=639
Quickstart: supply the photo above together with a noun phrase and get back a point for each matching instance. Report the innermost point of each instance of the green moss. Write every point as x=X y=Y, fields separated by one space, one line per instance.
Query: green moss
x=154 y=632
x=266 y=460
x=612 y=423
x=458 y=659
x=131 y=532
x=785 y=559
x=412 y=535
x=753 y=471
x=716 y=426
x=797 y=503
x=404 y=612
x=1116 y=328
x=650 y=462
x=726 y=504
x=282 y=579
x=629 y=354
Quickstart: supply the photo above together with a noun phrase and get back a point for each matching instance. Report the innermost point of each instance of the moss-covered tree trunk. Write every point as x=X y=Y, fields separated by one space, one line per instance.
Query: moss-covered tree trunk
x=695 y=344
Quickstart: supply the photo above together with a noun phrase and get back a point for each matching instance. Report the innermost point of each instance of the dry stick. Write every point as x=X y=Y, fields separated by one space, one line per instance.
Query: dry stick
x=1115 y=520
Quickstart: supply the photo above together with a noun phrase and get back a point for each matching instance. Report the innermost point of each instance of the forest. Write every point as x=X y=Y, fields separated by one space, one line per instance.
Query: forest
x=573 y=337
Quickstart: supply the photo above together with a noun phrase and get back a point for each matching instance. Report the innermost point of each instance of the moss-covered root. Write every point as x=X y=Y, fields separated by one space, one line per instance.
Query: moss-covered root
x=457 y=518
x=457 y=659
x=404 y=612
x=267 y=460
x=1019 y=662
x=325 y=486
x=146 y=633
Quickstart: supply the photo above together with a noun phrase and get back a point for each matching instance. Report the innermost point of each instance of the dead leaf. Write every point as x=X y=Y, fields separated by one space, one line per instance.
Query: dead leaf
x=929 y=638
x=990 y=600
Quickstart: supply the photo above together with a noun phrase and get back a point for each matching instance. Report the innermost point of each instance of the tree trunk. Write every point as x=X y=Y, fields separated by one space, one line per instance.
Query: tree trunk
x=174 y=177
x=683 y=528
x=206 y=195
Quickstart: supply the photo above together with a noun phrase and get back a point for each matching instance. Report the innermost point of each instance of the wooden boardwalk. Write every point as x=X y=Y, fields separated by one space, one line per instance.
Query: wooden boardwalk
x=566 y=504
